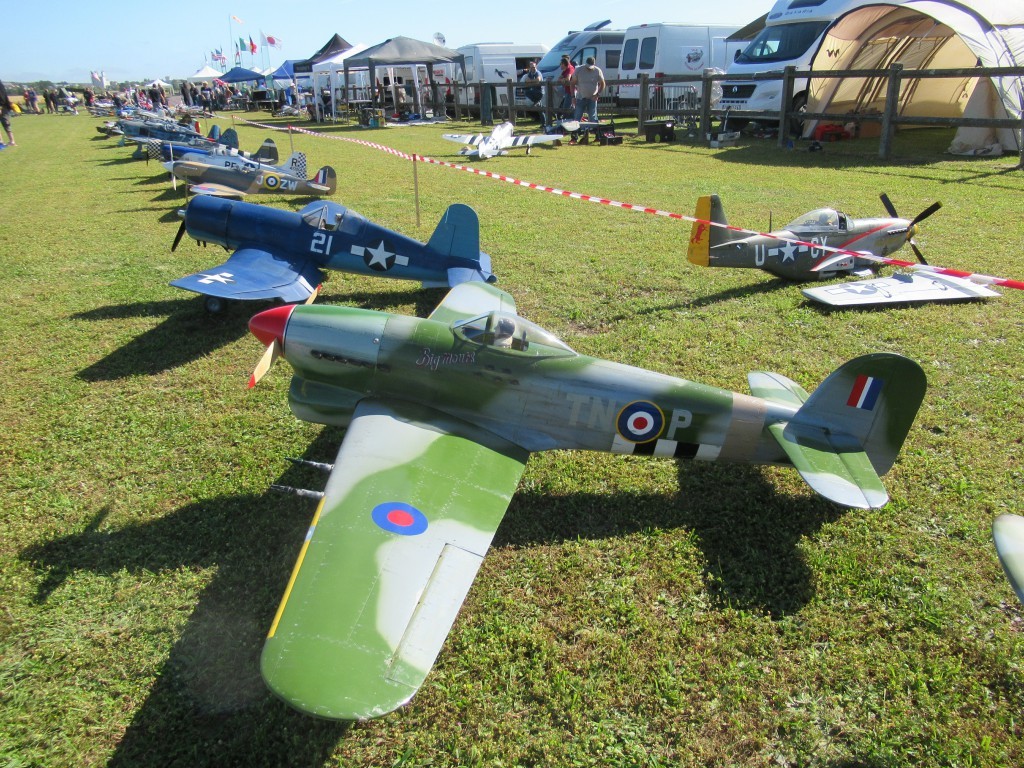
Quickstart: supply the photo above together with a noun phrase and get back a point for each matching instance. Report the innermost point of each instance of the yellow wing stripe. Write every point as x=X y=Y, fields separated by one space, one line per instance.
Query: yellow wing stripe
x=295 y=570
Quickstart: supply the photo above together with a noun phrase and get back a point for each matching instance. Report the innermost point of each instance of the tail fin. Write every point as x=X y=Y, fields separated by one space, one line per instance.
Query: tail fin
x=267 y=153
x=214 y=133
x=848 y=432
x=229 y=138
x=297 y=164
x=326 y=180
x=457 y=238
x=704 y=236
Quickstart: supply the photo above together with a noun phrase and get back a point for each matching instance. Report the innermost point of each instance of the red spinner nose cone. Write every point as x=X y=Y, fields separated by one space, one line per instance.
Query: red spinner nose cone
x=268 y=326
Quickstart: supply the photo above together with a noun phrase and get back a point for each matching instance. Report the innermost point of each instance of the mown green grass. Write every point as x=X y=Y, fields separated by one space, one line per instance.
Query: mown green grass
x=632 y=611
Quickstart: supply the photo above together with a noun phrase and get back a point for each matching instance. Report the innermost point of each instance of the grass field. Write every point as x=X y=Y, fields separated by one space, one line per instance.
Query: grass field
x=632 y=612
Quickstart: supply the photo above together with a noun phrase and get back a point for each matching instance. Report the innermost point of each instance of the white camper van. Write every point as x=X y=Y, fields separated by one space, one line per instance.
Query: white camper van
x=605 y=45
x=496 y=64
x=792 y=35
x=657 y=50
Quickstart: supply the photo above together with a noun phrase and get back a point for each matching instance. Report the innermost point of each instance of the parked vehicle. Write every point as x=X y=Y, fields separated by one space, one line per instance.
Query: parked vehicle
x=496 y=64
x=792 y=36
x=658 y=50
x=605 y=45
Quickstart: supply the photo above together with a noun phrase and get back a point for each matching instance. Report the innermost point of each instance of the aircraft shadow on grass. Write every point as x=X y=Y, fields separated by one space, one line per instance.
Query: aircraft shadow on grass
x=189 y=332
x=757 y=287
x=208 y=705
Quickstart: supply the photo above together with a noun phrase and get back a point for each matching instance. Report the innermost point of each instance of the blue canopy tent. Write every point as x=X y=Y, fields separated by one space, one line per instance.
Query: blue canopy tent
x=286 y=71
x=240 y=75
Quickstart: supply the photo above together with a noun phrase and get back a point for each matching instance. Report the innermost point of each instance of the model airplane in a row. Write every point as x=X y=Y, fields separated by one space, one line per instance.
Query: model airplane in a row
x=498 y=142
x=189 y=165
x=442 y=414
x=225 y=143
x=281 y=255
x=824 y=243
x=232 y=176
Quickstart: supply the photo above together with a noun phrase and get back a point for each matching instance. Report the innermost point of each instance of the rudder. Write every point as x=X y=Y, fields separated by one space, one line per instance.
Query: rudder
x=873 y=399
x=703 y=234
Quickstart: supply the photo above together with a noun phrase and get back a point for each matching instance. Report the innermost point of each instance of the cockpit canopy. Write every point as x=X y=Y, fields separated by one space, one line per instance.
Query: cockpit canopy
x=506 y=331
x=818 y=220
x=322 y=216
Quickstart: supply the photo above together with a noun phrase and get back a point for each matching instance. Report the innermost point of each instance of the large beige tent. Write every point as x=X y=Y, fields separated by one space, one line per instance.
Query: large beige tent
x=928 y=34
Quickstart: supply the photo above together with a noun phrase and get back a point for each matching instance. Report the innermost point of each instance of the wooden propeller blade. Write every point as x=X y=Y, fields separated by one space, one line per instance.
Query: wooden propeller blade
x=266 y=362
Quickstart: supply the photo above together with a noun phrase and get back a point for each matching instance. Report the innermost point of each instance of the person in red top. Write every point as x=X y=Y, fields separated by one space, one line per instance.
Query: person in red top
x=568 y=93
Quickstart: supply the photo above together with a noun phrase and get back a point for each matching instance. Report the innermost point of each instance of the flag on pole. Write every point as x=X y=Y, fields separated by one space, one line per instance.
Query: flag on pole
x=241 y=44
x=270 y=40
x=217 y=55
x=238 y=20
x=252 y=46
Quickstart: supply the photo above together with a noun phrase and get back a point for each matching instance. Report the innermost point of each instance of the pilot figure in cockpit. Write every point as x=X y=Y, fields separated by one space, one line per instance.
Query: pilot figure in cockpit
x=504 y=332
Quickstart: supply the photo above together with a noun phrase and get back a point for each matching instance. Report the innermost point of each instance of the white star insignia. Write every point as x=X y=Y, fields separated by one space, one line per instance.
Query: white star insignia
x=220 y=277
x=788 y=252
x=379 y=255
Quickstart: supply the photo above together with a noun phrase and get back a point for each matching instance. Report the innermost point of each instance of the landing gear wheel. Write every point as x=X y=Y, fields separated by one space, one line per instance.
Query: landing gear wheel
x=214 y=304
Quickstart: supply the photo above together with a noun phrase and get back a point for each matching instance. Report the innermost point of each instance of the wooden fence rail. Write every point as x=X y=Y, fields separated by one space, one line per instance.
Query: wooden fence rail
x=688 y=99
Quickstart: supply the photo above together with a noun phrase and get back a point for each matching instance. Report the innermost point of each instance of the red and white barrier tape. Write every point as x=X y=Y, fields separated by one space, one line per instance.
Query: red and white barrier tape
x=975 y=277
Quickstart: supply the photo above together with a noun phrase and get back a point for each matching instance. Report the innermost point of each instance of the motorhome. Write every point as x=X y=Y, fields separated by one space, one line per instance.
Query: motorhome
x=496 y=64
x=658 y=50
x=605 y=45
x=792 y=35
x=499 y=62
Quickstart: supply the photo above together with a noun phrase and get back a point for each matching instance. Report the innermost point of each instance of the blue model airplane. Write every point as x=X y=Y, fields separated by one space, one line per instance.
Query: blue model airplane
x=282 y=254
x=217 y=143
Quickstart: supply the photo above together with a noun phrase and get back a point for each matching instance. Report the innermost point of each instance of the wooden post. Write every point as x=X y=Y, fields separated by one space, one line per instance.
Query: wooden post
x=416 y=188
x=486 y=118
x=511 y=96
x=706 y=88
x=892 y=104
x=786 y=105
x=549 y=117
x=1020 y=137
x=641 y=110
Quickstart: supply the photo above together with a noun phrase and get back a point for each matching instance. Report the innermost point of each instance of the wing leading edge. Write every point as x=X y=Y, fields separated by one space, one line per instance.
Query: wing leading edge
x=405 y=521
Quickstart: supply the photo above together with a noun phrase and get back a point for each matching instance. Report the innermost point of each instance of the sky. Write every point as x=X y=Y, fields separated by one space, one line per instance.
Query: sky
x=68 y=39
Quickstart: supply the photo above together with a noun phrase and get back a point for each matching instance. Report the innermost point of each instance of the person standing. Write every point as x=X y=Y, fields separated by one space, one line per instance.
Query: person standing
x=588 y=81
x=6 y=107
x=565 y=76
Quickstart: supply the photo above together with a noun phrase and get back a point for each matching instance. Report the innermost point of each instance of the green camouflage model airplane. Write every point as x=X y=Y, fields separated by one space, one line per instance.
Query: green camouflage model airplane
x=442 y=414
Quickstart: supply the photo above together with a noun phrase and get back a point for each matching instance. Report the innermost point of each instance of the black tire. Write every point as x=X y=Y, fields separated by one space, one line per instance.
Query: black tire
x=214 y=304
x=796 y=126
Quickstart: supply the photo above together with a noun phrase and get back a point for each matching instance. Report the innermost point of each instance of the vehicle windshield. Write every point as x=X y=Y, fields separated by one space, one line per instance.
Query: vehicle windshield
x=817 y=220
x=507 y=331
x=562 y=47
x=781 y=42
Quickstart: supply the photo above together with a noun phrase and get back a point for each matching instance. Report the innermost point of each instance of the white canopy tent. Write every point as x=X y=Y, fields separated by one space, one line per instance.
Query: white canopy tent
x=206 y=73
x=329 y=74
x=928 y=34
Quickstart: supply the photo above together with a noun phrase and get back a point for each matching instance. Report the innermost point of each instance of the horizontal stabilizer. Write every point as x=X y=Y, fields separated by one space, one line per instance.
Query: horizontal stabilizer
x=776 y=388
x=1008 y=533
x=831 y=465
